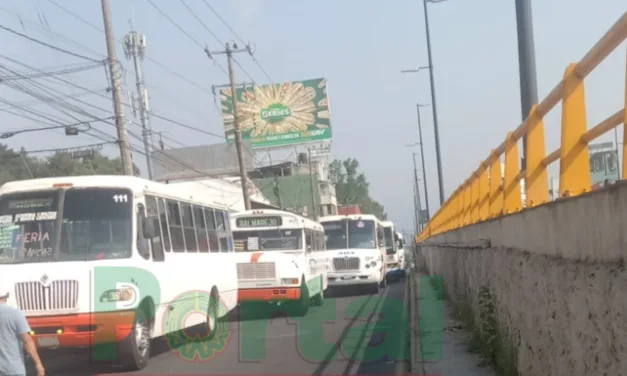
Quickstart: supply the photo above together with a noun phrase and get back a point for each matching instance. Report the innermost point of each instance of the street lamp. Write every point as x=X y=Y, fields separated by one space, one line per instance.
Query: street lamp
x=433 y=101
x=70 y=129
x=415 y=70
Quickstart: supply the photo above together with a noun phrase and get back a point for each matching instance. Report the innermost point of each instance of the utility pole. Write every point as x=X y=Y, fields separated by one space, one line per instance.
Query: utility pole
x=228 y=51
x=114 y=68
x=416 y=231
x=134 y=46
x=436 y=131
x=418 y=203
x=313 y=189
x=422 y=157
x=526 y=65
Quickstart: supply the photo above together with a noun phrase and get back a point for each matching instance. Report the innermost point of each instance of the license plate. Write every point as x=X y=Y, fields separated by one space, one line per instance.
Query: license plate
x=348 y=277
x=51 y=341
x=391 y=258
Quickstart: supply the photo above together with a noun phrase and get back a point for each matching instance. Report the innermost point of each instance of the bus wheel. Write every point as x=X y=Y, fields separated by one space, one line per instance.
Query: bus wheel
x=384 y=282
x=374 y=288
x=318 y=300
x=212 y=314
x=135 y=350
x=302 y=305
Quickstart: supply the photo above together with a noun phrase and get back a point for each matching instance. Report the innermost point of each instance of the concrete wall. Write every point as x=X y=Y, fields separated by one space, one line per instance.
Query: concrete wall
x=556 y=276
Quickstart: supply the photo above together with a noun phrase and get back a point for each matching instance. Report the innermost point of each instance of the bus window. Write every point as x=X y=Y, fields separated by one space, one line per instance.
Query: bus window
x=610 y=162
x=201 y=229
x=163 y=219
x=176 y=228
x=222 y=233
x=156 y=243
x=188 y=228
x=214 y=244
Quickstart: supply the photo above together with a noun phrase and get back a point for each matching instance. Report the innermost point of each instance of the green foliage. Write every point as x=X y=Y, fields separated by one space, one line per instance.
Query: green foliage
x=352 y=187
x=19 y=166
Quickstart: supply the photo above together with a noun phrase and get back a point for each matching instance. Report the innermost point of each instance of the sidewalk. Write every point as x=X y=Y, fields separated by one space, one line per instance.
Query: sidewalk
x=439 y=343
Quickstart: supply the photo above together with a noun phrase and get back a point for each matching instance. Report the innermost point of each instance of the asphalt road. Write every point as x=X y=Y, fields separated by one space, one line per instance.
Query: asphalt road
x=351 y=333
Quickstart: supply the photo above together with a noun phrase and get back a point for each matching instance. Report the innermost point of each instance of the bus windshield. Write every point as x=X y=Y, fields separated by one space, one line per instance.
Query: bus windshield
x=389 y=240
x=350 y=233
x=268 y=240
x=96 y=224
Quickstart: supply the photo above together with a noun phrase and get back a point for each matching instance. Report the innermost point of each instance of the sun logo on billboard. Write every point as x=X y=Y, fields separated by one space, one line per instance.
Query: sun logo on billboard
x=284 y=108
x=202 y=342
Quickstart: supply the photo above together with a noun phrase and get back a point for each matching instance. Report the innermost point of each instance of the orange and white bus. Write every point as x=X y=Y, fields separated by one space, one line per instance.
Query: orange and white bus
x=114 y=259
x=279 y=258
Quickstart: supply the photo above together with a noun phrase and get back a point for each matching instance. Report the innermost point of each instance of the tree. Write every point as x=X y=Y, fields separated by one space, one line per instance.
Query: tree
x=19 y=165
x=352 y=187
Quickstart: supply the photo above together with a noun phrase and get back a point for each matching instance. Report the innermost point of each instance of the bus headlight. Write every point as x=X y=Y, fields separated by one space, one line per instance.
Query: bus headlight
x=289 y=281
x=118 y=295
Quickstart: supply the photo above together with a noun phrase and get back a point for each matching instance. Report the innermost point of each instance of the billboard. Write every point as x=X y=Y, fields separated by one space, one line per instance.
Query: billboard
x=279 y=114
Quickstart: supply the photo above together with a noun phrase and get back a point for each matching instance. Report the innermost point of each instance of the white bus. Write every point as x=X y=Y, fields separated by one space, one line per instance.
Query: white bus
x=280 y=258
x=392 y=248
x=356 y=250
x=401 y=251
x=115 y=259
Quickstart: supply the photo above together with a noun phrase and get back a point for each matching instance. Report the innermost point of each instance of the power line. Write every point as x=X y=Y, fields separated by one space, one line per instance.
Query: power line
x=201 y=22
x=265 y=73
x=188 y=35
x=165 y=15
x=48 y=45
x=53 y=73
x=105 y=97
x=154 y=61
x=187 y=126
x=133 y=147
x=68 y=150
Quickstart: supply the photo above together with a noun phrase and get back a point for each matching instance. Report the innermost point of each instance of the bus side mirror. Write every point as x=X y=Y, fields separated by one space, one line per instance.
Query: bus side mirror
x=150 y=227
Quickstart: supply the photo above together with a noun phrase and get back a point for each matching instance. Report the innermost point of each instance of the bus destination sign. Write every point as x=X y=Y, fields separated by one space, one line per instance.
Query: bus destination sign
x=273 y=221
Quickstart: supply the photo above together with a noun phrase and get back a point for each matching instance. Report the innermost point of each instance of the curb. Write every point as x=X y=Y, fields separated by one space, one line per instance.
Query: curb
x=415 y=367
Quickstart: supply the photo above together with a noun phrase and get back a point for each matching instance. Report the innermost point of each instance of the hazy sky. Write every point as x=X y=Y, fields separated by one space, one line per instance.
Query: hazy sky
x=360 y=46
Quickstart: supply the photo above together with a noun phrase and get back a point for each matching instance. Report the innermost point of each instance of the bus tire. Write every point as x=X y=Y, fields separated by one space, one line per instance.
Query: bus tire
x=374 y=288
x=302 y=305
x=212 y=314
x=318 y=300
x=135 y=349
x=384 y=282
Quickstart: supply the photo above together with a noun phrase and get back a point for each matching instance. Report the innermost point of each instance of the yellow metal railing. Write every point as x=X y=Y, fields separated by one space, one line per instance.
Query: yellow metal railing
x=488 y=194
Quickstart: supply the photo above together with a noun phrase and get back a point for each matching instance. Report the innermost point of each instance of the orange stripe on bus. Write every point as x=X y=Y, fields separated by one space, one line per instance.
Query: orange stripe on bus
x=254 y=258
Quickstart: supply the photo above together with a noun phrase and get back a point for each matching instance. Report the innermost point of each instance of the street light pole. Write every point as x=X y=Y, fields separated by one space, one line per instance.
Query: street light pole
x=418 y=203
x=526 y=65
x=422 y=157
x=436 y=131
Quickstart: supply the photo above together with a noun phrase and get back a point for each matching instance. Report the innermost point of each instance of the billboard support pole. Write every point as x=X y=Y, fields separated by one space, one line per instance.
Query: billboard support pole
x=228 y=51
x=313 y=190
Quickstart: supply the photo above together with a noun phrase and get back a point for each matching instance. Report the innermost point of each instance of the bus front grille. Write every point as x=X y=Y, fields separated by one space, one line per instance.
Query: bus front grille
x=344 y=264
x=260 y=270
x=57 y=296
